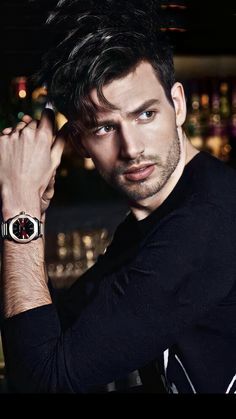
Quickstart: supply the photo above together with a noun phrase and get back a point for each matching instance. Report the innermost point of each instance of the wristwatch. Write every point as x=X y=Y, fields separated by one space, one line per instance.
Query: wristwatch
x=22 y=228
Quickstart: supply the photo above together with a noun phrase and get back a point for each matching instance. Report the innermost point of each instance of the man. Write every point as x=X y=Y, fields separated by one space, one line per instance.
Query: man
x=164 y=292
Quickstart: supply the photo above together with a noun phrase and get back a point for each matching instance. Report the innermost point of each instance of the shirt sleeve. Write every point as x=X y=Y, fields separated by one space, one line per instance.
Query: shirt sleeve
x=176 y=278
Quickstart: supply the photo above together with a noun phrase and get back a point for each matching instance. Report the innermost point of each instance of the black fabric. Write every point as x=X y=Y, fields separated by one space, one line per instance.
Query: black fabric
x=162 y=295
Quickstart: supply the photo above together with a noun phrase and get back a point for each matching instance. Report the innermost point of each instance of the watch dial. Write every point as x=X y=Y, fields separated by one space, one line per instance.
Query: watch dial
x=23 y=228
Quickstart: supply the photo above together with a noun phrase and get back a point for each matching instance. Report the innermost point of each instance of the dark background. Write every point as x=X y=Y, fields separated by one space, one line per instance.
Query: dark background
x=211 y=29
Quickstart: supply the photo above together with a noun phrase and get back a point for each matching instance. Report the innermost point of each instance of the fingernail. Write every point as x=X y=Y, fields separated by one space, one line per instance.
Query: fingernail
x=49 y=105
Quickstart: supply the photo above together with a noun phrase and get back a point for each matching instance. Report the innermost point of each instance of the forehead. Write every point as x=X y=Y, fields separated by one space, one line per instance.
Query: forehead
x=127 y=92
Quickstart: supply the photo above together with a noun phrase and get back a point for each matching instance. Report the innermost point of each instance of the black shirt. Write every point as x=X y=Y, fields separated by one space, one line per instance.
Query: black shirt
x=164 y=291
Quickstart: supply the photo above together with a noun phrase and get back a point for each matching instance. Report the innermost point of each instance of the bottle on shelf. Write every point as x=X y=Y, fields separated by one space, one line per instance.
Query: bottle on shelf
x=204 y=109
x=193 y=121
x=217 y=141
x=225 y=111
x=232 y=123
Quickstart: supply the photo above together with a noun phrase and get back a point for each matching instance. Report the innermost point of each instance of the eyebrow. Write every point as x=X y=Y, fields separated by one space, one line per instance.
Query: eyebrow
x=143 y=106
x=129 y=114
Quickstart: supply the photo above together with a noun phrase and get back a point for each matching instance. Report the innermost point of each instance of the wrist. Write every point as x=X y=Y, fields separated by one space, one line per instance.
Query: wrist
x=13 y=204
x=22 y=228
x=10 y=212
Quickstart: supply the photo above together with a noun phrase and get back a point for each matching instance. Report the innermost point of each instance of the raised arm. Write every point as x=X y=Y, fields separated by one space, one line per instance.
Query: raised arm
x=135 y=313
x=29 y=158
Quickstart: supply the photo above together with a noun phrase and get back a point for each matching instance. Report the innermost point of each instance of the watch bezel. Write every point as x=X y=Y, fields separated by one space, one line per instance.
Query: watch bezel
x=12 y=222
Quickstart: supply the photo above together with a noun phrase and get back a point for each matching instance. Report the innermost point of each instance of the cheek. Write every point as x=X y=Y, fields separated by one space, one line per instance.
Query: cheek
x=160 y=135
x=104 y=158
x=168 y=125
x=104 y=151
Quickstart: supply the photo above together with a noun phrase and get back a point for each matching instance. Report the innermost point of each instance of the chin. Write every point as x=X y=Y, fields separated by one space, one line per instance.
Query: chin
x=139 y=193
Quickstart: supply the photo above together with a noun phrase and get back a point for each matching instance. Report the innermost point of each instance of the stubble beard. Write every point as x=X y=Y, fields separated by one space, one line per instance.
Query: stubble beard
x=144 y=189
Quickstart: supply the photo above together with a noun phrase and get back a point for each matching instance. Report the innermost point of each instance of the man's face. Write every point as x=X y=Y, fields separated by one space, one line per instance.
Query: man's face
x=135 y=147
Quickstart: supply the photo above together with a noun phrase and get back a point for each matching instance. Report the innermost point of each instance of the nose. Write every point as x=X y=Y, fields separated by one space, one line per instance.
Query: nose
x=131 y=145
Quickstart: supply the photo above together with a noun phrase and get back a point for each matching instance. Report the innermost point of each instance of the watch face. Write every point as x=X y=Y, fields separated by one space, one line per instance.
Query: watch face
x=23 y=228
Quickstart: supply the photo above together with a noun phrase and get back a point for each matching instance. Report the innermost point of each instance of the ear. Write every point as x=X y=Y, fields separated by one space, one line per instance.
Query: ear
x=178 y=97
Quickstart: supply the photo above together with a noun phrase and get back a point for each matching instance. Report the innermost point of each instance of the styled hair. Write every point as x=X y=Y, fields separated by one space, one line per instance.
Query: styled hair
x=103 y=40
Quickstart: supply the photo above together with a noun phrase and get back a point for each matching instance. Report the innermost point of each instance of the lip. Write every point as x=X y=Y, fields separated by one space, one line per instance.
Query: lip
x=141 y=172
x=138 y=167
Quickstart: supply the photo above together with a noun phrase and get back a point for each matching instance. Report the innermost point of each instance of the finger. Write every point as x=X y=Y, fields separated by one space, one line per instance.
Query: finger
x=47 y=122
x=33 y=125
x=7 y=130
x=27 y=119
x=20 y=126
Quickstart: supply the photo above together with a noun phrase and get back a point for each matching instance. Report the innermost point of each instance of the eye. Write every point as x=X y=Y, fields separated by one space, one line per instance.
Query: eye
x=145 y=116
x=106 y=129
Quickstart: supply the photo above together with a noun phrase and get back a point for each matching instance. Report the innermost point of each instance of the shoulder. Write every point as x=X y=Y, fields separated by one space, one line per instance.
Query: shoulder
x=215 y=181
x=202 y=221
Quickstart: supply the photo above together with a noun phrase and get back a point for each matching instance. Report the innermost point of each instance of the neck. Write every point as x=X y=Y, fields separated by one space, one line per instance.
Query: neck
x=142 y=209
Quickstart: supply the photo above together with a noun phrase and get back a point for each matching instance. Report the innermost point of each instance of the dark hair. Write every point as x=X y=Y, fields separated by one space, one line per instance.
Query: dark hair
x=103 y=42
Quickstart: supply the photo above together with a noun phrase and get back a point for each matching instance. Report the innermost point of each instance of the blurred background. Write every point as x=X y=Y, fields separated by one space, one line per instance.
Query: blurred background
x=85 y=211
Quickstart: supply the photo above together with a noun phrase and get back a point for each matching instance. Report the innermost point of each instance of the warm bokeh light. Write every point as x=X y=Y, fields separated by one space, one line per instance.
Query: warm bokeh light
x=39 y=91
x=61 y=120
x=88 y=164
x=22 y=94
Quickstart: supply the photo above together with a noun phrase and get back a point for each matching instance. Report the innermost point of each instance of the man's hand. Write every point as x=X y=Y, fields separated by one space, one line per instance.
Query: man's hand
x=29 y=157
